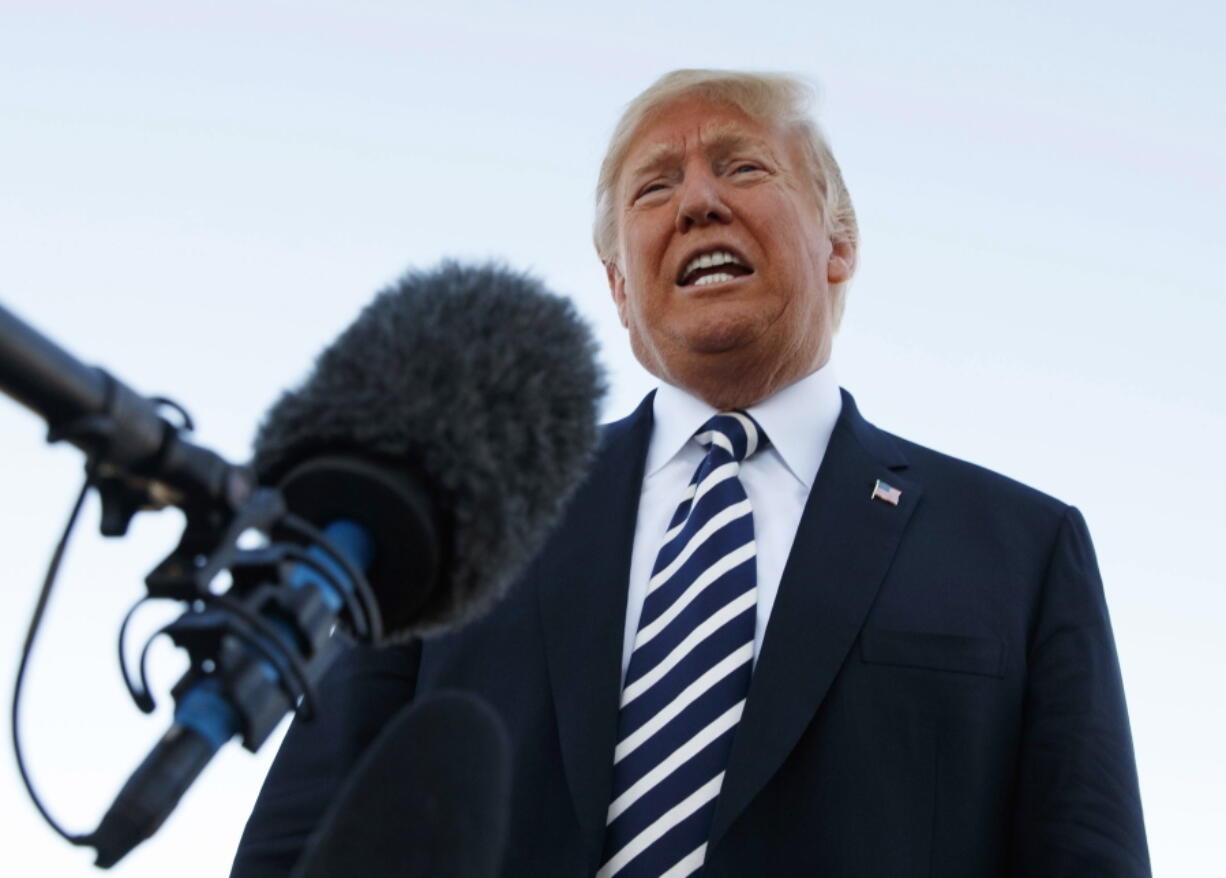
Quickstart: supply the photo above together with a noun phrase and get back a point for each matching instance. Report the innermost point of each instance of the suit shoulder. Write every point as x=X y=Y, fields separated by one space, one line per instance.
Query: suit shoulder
x=945 y=473
x=979 y=510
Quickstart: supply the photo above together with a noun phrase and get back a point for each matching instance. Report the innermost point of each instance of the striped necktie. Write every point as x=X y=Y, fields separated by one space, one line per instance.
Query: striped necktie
x=690 y=668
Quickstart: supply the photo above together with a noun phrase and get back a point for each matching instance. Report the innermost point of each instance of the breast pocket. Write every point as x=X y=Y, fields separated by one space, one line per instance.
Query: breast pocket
x=957 y=653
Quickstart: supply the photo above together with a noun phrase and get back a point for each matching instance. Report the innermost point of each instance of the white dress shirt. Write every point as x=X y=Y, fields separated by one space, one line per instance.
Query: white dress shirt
x=798 y=419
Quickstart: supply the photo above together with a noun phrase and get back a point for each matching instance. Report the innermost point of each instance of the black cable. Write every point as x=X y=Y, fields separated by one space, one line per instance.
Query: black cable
x=40 y=607
x=140 y=694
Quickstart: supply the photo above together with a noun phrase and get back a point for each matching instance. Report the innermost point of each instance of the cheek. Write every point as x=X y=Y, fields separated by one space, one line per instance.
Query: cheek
x=808 y=249
x=644 y=257
x=632 y=257
x=779 y=222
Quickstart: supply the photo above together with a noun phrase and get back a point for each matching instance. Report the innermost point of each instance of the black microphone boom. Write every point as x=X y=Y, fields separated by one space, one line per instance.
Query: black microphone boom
x=111 y=423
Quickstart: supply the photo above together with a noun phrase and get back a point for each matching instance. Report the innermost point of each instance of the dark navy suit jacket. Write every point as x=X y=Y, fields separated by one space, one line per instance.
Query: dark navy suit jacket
x=937 y=692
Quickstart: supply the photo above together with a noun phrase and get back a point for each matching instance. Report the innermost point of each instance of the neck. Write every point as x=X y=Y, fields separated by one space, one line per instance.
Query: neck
x=738 y=385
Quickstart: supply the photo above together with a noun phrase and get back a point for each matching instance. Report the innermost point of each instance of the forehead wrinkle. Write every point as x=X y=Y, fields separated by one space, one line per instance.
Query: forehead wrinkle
x=726 y=137
x=717 y=140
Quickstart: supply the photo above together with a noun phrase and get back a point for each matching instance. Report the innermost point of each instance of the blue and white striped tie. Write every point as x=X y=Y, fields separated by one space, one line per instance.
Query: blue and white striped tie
x=690 y=668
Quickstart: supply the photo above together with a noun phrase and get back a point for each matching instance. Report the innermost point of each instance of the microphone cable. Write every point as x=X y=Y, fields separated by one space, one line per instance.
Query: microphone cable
x=36 y=618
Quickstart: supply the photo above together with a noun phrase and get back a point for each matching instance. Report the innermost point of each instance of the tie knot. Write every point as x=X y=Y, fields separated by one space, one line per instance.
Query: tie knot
x=735 y=432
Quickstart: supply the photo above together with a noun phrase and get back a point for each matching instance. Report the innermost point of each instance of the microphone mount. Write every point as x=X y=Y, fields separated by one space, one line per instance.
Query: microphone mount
x=256 y=649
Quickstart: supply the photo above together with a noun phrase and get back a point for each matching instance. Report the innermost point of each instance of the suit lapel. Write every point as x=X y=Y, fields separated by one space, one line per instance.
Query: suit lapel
x=843 y=548
x=583 y=580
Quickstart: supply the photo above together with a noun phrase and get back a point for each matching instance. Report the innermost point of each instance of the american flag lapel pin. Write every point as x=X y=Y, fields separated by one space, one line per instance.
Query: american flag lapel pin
x=886 y=493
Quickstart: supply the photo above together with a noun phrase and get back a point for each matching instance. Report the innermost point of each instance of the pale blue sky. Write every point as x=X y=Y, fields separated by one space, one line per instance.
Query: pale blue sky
x=199 y=196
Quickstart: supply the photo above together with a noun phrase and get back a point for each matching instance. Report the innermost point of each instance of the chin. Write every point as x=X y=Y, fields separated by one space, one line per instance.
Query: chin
x=723 y=333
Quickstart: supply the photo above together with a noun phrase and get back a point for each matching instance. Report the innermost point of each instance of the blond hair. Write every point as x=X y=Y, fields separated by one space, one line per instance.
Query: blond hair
x=766 y=97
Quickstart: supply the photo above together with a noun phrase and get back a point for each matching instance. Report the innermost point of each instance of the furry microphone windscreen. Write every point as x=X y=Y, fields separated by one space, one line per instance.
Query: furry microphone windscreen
x=481 y=381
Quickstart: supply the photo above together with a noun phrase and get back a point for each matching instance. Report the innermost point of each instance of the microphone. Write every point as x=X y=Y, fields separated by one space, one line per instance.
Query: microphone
x=475 y=384
x=434 y=443
x=429 y=798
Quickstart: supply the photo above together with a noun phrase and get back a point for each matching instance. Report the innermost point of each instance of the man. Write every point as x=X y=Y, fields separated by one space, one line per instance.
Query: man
x=767 y=638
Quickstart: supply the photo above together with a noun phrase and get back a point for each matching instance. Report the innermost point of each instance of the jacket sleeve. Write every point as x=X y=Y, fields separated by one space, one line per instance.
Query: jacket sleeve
x=1078 y=809
x=357 y=696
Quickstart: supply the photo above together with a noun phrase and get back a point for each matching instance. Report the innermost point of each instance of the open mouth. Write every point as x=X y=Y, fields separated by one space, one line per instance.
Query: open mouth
x=713 y=267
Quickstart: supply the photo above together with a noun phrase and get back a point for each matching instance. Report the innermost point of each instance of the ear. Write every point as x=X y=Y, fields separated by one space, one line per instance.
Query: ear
x=842 y=263
x=617 y=288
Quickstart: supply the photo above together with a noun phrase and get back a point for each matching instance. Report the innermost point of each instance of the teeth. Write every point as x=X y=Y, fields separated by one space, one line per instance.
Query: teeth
x=711 y=260
x=713 y=279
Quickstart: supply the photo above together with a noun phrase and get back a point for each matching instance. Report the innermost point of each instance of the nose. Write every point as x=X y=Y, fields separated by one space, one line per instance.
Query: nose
x=700 y=203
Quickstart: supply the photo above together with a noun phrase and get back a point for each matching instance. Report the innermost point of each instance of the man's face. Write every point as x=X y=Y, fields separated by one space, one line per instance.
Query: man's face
x=724 y=265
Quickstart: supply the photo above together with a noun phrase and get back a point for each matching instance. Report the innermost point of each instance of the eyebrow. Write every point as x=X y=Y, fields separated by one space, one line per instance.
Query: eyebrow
x=659 y=156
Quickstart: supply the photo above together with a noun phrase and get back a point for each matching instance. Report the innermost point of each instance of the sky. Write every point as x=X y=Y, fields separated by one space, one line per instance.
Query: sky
x=200 y=196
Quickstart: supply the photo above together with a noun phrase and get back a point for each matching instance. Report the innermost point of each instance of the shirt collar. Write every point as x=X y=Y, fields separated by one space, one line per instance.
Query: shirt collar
x=798 y=419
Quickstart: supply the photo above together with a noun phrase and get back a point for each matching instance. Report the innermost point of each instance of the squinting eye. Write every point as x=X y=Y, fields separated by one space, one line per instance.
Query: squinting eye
x=745 y=166
x=647 y=190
